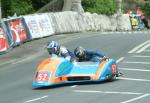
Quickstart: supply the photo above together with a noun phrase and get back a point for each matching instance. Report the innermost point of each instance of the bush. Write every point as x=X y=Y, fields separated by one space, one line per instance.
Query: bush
x=107 y=7
x=20 y=7
x=146 y=9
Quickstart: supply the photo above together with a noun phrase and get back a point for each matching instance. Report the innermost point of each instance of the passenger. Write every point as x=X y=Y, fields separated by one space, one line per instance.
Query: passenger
x=88 y=55
x=54 y=47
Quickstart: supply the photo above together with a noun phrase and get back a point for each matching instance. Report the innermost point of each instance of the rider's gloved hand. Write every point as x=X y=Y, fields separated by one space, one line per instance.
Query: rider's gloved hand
x=68 y=58
x=74 y=62
x=105 y=58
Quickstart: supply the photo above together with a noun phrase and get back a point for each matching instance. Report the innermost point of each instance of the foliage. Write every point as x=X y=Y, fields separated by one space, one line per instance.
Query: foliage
x=146 y=9
x=107 y=7
x=134 y=4
x=21 y=7
x=39 y=3
x=6 y=9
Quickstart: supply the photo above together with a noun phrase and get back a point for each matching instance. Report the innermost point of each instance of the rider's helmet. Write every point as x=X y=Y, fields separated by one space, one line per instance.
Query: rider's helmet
x=53 y=47
x=79 y=52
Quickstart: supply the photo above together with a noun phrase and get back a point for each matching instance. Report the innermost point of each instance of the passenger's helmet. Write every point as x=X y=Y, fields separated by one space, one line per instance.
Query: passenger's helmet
x=53 y=47
x=79 y=52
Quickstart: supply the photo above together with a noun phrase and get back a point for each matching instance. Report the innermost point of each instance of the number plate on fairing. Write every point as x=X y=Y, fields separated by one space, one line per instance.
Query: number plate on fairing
x=42 y=76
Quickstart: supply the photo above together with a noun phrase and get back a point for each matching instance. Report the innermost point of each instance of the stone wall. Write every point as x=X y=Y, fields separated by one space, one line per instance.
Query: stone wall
x=68 y=21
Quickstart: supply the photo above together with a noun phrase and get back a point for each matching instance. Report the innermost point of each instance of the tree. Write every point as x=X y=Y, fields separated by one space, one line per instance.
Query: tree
x=20 y=7
x=37 y=4
x=107 y=7
x=119 y=7
x=146 y=9
x=5 y=4
x=73 y=5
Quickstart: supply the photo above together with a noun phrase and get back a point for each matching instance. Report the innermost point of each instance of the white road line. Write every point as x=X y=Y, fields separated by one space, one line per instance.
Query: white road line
x=127 y=93
x=60 y=35
x=32 y=100
x=73 y=86
x=143 y=48
x=8 y=62
x=107 y=92
x=139 y=46
x=21 y=60
x=120 y=59
x=133 y=69
x=141 y=56
x=146 y=50
x=137 y=98
x=26 y=58
x=133 y=79
x=136 y=62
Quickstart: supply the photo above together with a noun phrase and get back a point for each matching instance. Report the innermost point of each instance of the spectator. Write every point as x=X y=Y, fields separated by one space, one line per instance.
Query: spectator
x=142 y=15
x=134 y=22
x=129 y=12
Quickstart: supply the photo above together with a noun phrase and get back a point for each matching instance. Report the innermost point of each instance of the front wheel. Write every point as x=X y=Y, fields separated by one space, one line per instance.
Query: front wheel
x=113 y=77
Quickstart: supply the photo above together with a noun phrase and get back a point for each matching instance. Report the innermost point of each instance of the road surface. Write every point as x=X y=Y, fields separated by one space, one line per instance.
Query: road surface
x=131 y=50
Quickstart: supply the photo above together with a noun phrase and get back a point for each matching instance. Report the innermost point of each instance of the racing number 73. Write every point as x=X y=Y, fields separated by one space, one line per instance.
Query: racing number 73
x=114 y=67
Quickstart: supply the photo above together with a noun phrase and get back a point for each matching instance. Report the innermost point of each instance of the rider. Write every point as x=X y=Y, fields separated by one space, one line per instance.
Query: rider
x=54 y=47
x=88 y=55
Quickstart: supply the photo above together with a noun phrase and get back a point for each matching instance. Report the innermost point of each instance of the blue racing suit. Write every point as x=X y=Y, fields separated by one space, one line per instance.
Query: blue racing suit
x=94 y=56
x=64 y=52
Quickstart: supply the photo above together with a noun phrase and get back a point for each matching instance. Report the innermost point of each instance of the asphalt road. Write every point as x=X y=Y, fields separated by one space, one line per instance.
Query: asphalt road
x=131 y=50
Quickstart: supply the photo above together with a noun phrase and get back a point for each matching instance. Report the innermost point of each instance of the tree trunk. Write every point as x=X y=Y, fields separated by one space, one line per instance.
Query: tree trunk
x=53 y=6
x=73 y=5
x=119 y=14
x=0 y=10
x=119 y=5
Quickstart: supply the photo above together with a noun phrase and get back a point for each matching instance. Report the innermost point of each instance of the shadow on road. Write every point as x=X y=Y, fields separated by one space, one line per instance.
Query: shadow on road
x=71 y=84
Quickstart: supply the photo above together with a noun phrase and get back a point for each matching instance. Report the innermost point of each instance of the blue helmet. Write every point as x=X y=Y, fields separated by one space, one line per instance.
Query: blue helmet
x=53 y=47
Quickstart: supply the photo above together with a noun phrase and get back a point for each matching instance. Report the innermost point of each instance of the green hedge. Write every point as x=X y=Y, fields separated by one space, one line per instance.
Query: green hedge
x=146 y=9
x=107 y=7
x=21 y=7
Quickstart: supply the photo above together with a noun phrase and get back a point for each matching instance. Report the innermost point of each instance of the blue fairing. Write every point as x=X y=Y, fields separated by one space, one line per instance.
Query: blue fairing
x=84 y=69
x=64 y=68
